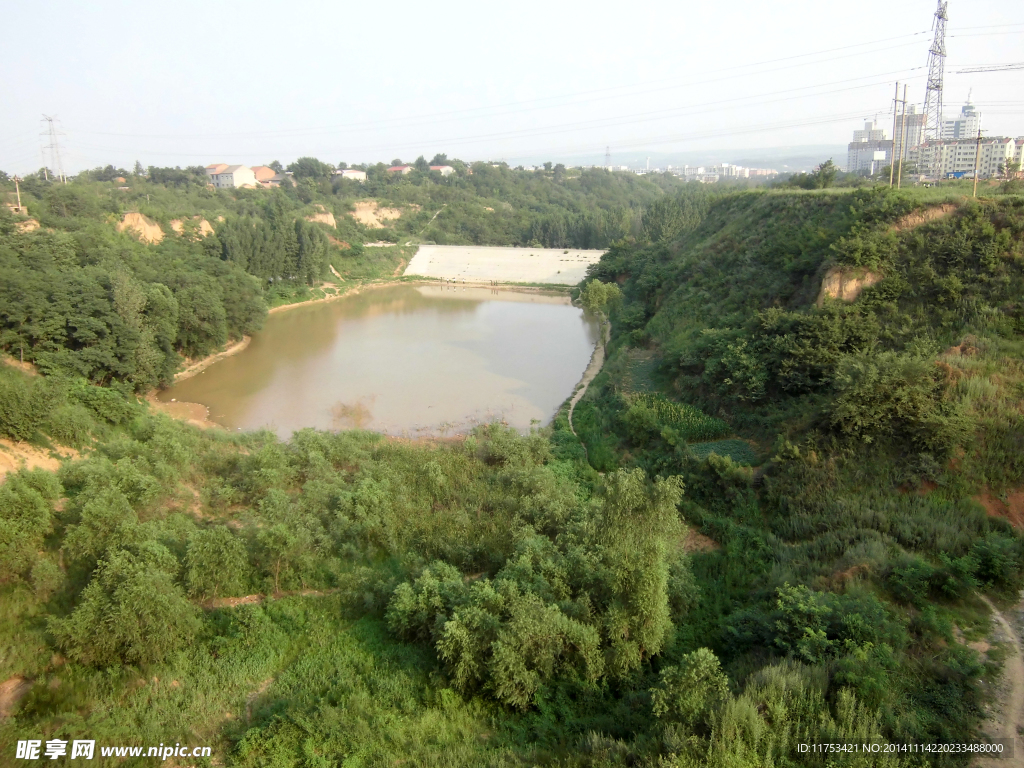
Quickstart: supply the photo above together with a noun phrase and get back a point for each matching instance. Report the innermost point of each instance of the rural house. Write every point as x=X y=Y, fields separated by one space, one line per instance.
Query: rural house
x=227 y=176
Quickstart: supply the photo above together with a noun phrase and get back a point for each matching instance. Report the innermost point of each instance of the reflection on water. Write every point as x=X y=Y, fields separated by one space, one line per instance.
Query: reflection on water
x=404 y=360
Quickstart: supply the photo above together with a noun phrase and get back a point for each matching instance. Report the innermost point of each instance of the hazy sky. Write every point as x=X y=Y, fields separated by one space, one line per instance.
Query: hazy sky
x=189 y=83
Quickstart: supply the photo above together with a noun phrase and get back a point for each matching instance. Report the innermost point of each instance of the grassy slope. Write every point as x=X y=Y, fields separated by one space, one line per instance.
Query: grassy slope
x=878 y=504
x=304 y=677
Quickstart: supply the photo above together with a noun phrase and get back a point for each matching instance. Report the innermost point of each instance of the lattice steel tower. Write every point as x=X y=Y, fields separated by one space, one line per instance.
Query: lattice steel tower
x=54 y=146
x=936 y=66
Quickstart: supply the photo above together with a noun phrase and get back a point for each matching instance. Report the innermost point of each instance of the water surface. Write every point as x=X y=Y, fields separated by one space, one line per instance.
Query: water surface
x=408 y=359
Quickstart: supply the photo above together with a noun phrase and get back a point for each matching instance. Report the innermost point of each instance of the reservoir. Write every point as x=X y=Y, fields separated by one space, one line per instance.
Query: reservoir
x=403 y=359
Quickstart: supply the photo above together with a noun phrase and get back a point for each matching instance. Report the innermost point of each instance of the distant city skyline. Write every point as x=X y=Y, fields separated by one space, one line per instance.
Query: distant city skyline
x=189 y=83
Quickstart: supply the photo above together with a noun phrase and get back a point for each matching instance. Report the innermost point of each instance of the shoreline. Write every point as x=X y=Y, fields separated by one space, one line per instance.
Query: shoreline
x=202 y=364
x=356 y=288
x=349 y=291
x=593 y=368
x=198 y=414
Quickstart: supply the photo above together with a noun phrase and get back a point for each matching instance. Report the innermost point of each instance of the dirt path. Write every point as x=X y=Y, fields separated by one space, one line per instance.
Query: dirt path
x=596 y=361
x=1006 y=718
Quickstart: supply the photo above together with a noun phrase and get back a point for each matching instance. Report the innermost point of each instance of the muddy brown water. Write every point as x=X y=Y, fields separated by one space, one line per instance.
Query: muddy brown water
x=406 y=360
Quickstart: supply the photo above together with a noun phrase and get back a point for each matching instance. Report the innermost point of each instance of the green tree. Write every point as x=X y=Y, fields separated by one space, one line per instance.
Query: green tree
x=311 y=168
x=131 y=612
x=637 y=520
x=216 y=563
x=688 y=692
x=599 y=297
x=825 y=174
x=25 y=519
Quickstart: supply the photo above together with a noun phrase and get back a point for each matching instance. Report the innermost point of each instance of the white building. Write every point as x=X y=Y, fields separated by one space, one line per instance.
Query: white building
x=869 y=151
x=871 y=132
x=351 y=173
x=712 y=173
x=444 y=170
x=966 y=126
x=942 y=159
x=230 y=176
x=912 y=133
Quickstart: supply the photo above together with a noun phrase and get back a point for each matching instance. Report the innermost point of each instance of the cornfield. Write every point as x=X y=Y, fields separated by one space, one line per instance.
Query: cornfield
x=692 y=423
x=737 y=450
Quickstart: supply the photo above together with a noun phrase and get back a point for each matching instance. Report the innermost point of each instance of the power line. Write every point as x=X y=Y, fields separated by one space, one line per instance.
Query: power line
x=641 y=117
x=434 y=117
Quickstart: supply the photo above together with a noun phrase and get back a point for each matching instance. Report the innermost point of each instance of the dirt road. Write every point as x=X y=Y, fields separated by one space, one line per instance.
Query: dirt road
x=1006 y=719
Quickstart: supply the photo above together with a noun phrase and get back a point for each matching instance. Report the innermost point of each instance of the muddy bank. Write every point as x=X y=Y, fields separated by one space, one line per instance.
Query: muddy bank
x=196 y=414
x=201 y=365
x=338 y=294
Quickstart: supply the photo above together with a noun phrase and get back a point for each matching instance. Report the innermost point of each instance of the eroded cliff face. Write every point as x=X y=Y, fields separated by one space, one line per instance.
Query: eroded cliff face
x=323 y=216
x=846 y=283
x=147 y=230
x=202 y=228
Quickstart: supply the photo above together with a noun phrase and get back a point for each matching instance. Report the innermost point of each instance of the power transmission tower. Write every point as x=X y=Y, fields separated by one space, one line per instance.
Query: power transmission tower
x=936 y=67
x=54 y=147
x=608 y=158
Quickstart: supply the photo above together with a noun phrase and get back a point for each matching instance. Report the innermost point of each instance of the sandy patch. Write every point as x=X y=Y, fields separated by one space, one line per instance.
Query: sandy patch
x=323 y=216
x=143 y=227
x=697 y=542
x=15 y=456
x=28 y=225
x=12 y=690
x=1011 y=510
x=846 y=284
x=916 y=219
x=21 y=365
x=371 y=215
x=198 y=224
x=508 y=265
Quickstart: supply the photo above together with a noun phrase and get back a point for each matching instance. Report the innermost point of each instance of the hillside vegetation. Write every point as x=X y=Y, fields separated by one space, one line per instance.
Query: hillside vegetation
x=123 y=280
x=767 y=537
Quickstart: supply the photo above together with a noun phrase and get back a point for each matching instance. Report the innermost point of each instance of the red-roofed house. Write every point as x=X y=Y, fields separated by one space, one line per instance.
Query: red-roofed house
x=444 y=170
x=402 y=169
x=263 y=173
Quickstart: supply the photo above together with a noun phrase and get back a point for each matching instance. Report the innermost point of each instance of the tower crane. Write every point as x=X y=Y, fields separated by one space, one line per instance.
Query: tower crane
x=992 y=68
